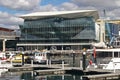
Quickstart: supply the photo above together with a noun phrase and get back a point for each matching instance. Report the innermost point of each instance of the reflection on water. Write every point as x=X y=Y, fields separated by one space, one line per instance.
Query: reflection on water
x=58 y=77
x=30 y=76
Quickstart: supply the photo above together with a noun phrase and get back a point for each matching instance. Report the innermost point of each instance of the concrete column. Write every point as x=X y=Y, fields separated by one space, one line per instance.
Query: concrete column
x=4 y=44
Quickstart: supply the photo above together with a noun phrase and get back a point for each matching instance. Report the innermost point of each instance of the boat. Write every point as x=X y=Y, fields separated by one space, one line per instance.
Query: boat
x=43 y=57
x=3 y=56
x=110 y=58
x=40 y=57
x=4 y=66
x=5 y=62
x=113 y=64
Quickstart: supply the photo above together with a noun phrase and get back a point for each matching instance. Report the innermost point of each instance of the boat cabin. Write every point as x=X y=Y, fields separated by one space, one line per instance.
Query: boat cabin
x=40 y=57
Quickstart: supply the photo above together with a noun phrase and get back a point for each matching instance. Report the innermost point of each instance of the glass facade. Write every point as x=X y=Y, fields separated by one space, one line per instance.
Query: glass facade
x=57 y=30
x=111 y=30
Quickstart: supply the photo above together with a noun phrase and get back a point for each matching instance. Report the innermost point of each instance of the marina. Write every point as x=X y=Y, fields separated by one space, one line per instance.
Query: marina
x=54 y=45
x=49 y=68
x=85 y=75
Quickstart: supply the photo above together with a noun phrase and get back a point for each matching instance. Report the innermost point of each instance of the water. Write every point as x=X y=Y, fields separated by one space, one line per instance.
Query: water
x=29 y=76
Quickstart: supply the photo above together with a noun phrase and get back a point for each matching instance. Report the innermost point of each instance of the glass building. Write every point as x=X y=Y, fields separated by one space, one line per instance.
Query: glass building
x=59 y=30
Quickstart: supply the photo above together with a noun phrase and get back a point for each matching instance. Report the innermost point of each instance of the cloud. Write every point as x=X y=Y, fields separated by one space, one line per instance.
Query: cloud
x=20 y=4
x=8 y=20
x=69 y=6
x=99 y=4
x=112 y=8
x=48 y=7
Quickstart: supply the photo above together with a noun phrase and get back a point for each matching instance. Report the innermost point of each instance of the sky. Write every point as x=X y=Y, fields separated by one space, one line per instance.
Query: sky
x=10 y=10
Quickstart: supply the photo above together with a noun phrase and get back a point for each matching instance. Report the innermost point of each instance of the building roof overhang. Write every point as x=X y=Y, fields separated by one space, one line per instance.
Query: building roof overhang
x=6 y=29
x=64 y=14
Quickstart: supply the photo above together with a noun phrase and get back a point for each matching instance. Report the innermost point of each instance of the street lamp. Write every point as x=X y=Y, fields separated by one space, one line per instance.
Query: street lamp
x=84 y=60
x=4 y=44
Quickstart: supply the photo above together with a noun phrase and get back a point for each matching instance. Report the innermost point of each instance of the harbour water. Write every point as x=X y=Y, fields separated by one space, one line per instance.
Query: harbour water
x=30 y=76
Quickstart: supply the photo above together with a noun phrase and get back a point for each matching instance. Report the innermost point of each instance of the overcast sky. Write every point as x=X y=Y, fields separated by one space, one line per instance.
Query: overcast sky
x=11 y=9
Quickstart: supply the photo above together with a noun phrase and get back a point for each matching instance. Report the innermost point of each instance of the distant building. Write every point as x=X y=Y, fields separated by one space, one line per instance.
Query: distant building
x=59 y=30
x=11 y=36
x=110 y=32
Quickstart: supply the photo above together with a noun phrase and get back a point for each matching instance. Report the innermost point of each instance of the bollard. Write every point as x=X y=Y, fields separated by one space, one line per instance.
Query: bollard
x=22 y=58
x=32 y=63
x=62 y=64
x=73 y=59
x=50 y=63
x=32 y=74
x=47 y=62
x=81 y=64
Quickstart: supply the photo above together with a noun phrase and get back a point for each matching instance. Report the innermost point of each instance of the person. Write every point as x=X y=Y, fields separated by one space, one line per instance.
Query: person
x=90 y=62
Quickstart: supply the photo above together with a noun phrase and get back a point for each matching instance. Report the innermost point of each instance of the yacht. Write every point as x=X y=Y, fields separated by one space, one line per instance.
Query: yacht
x=112 y=58
x=113 y=64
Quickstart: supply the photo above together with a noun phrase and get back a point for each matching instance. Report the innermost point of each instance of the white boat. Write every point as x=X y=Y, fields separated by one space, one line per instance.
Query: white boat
x=4 y=66
x=113 y=64
x=40 y=57
x=113 y=58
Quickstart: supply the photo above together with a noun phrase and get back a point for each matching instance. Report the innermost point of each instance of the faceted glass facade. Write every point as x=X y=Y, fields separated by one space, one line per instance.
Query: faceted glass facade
x=58 y=29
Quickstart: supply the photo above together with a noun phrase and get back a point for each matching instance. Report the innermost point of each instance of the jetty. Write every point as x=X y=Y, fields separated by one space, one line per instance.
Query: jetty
x=113 y=76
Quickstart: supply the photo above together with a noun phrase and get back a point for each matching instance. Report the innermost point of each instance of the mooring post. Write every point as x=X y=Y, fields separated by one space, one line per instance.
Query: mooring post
x=32 y=63
x=73 y=58
x=50 y=62
x=81 y=64
x=22 y=58
x=47 y=62
x=62 y=64
x=84 y=60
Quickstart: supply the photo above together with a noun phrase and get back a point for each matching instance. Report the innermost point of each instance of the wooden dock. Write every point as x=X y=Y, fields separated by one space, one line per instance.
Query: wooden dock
x=112 y=76
x=34 y=67
x=50 y=71
x=88 y=74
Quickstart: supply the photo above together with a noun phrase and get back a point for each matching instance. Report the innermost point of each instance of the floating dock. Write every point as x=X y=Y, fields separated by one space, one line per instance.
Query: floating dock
x=88 y=74
x=112 y=76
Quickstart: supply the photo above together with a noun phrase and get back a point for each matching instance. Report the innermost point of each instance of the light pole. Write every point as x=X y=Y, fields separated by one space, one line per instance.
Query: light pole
x=4 y=44
x=84 y=60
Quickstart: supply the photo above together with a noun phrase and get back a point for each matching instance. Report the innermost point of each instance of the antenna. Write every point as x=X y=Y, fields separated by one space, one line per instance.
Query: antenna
x=104 y=12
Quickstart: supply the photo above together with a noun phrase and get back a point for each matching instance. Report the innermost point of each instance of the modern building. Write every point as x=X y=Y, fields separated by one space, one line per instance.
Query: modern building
x=59 y=30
